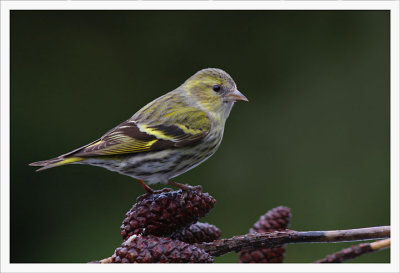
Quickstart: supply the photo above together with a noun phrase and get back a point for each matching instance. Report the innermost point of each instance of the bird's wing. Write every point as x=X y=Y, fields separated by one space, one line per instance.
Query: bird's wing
x=182 y=128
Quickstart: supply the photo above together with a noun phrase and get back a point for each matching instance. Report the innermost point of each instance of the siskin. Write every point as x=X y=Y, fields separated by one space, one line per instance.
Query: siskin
x=169 y=136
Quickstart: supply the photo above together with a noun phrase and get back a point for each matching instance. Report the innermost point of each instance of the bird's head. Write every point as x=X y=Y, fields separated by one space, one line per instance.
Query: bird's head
x=214 y=90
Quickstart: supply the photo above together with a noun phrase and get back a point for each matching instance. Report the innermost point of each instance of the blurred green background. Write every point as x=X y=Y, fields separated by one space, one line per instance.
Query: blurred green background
x=314 y=136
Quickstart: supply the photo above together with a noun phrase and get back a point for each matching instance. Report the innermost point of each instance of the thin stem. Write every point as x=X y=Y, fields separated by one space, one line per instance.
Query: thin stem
x=355 y=251
x=379 y=245
x=271 y=239
x=106 y=260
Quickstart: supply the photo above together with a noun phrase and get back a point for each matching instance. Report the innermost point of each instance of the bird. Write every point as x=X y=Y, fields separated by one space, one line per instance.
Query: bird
x=167 y=137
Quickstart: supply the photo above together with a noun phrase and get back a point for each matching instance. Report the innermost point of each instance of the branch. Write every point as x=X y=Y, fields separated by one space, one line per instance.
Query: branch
x=163 y=227
x=355 y=251
x=271 y=239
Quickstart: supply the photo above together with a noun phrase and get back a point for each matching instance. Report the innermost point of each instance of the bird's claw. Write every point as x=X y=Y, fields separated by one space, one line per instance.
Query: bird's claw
x=147 y=194
x=185 y=187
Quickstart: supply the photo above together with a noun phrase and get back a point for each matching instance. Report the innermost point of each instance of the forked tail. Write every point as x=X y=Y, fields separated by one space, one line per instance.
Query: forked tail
x=55 y=162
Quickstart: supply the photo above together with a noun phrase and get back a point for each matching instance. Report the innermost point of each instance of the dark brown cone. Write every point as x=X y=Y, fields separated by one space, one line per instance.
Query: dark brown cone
x=165 y=212
x=275 y=219
x=347 y=254
x=152 y=249
x=197 y=233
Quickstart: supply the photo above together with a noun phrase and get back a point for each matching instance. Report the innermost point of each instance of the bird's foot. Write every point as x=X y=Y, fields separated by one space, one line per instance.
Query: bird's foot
x=185 y=187
x=146 y=188
x=150 y=191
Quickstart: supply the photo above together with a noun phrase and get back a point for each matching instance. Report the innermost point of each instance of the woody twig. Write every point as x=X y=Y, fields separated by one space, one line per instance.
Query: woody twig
x=163 y=227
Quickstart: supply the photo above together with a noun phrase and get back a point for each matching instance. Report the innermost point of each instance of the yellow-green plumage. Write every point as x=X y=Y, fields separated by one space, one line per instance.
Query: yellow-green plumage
x=168 y=136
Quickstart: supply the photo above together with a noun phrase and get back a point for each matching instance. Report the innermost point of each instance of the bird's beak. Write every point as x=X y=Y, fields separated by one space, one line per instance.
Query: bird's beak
x=235 y=95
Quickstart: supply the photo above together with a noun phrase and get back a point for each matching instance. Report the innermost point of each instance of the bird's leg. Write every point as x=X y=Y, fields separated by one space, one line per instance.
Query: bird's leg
x=146 y=188
x=149 y=191
x=185 y=187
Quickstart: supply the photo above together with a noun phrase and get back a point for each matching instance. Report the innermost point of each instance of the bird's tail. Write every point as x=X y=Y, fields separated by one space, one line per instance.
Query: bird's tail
x=55 y=162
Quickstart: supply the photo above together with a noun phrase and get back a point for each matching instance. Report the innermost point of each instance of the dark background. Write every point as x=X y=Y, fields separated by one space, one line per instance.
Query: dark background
x=314 y=136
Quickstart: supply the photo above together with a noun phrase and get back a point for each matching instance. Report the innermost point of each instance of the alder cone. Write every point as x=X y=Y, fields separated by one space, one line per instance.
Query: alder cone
x=347 y=254
x=163 y=213
x=275 y=219
x=153 y=249
x=197 y=233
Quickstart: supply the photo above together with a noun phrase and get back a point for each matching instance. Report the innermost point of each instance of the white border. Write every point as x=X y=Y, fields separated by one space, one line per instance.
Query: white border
x=6 y=6
x=202 y=4
x=394 y=134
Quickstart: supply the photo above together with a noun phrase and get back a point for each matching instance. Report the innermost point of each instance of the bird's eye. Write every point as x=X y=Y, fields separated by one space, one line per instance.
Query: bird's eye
x=216 y=88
